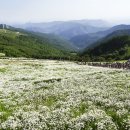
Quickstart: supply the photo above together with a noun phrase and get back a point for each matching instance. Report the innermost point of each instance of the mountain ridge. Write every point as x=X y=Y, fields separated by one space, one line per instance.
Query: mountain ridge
x=66 y=29
x=87 y=39
x=115 y=48
x=19 y=43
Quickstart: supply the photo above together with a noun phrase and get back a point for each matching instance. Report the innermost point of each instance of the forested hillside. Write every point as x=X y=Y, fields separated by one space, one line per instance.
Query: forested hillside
x=21 y=44
x=116 y=48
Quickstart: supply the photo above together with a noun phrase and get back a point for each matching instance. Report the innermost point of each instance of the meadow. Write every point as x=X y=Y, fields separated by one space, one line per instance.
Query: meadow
x=62 y=95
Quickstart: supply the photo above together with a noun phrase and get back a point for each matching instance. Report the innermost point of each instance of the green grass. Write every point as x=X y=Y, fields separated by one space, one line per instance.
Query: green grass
x=48 y=81
x=121 y=61
x=3 y=70
x=6 y=112
x=50 y=101
x=77 y=111
x=2 y=54
x=118 y=120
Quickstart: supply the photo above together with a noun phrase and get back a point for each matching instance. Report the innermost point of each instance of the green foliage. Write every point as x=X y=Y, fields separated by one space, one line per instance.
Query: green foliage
x=82 y=108
x=56 y=41
x=2 y=54
x=2 y=70
x=21 y=44
x=117 y=48
x=6 y=112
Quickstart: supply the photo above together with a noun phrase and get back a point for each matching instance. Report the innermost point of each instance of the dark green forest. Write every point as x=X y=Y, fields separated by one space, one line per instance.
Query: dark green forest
x=116 y=48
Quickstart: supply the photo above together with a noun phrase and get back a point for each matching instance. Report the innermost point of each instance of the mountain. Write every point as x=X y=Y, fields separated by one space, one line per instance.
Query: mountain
x=118 y=33
x=66 y=29
x=86 y=40
x=95 y=22
x=108 y=37
x=102 y=34
x=19 y=43
x=57 y=41
x=115 y=48
x=83 y=41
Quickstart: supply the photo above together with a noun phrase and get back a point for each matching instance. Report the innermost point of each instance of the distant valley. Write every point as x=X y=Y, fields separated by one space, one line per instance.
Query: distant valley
x=21 y=43
x=69 y=30
x=84 y=38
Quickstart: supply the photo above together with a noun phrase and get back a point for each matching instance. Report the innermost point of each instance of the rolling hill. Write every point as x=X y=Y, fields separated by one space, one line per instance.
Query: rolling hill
x=55 y=40
x=115 y=48
x=109 y=36
x=85 y=40
x=19 y=43
x=111 y=30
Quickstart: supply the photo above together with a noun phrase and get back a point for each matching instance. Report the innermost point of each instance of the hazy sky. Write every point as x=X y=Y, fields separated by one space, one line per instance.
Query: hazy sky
x=54 y=10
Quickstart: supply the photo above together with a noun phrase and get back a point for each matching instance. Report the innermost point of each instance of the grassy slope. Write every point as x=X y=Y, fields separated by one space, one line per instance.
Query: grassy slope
x=22 y=44
x=54 y=40
x=57 y=41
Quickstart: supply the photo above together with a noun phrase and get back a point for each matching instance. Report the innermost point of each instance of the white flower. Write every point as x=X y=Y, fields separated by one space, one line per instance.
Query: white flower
x=46 y=94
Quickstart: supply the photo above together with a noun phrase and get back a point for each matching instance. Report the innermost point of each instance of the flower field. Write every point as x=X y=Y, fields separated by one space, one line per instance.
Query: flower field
x=58 y=95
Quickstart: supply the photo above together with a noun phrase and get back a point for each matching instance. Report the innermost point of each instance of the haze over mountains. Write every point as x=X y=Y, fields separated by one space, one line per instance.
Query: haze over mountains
x=72 y=31
x=21 y=43
x=67 y=29
x=69 y=36
x=79 y=33
x=84 y=41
